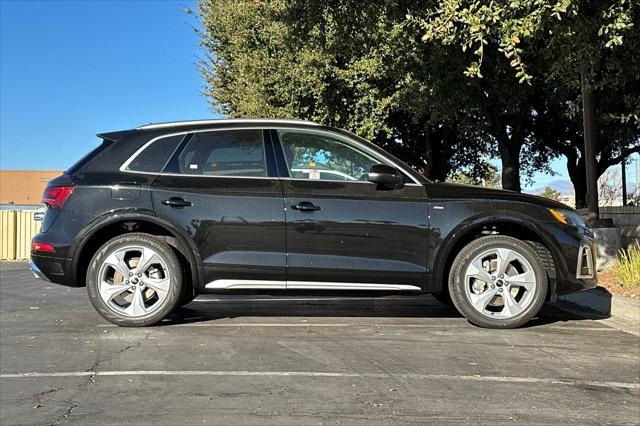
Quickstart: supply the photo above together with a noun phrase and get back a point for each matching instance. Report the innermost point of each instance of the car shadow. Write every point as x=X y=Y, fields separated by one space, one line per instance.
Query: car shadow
x=211 y=308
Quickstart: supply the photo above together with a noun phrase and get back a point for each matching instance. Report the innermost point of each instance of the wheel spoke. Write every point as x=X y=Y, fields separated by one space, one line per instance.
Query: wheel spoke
x=480 y=301
x=161 y=286
x=475 y=270
x=116 y=261
x=526 y=279
x=108 y=291
x=505 y=257
x=137 y=308
x=147 y=258
x=511 y=307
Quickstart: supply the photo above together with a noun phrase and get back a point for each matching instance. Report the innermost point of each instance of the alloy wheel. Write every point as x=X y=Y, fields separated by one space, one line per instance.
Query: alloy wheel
x=134 y=281
x=500 y=283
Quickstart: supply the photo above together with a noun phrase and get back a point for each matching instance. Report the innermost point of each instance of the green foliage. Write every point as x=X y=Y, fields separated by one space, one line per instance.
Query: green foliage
x=627 y=272
x=550 y=193
x=506 y=24
x=486 y=176
x=394 y=73
x=353 y=65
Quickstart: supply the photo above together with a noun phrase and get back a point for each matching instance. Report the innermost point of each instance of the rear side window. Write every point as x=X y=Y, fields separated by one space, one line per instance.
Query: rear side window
x=155 y=156
x=88 y=157
x=224 y=153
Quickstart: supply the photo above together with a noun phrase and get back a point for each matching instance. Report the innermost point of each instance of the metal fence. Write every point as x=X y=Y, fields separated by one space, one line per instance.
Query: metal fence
x=17 y=227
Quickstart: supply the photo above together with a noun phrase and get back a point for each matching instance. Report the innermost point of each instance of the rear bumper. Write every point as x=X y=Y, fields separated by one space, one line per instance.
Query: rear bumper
x=37 y=273
x=52 y=269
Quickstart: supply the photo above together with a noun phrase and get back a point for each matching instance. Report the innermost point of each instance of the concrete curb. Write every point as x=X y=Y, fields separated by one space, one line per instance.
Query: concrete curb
x=605 y=303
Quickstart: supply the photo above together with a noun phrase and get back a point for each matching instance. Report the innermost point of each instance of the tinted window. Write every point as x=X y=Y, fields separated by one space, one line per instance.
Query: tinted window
x=317 y=156
x=88 y=157
x=155 y=156
x=224 y=153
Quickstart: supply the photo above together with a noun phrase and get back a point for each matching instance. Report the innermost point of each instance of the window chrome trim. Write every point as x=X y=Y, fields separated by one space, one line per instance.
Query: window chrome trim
x=125 y=165
x=231 y=284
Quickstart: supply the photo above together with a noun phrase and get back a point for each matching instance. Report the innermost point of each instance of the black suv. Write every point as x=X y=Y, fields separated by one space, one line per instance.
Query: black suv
x=156 y=215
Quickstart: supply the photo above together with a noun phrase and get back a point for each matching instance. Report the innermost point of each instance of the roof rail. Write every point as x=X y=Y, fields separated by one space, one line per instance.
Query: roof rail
x=223 y=121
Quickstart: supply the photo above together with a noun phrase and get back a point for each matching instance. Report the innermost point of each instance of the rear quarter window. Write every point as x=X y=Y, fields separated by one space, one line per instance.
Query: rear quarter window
x=155 y=156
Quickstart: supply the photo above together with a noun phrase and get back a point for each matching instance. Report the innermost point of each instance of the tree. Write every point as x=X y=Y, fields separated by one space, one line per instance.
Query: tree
x=353 y=65
x=550 y=193
x=489 y=177
x=582 y=45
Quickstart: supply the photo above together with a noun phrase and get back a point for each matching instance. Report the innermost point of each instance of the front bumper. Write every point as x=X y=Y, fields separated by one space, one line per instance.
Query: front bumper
x=581 y=272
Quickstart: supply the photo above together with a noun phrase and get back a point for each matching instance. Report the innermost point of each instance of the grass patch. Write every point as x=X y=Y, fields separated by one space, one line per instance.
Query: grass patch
x=627 y=272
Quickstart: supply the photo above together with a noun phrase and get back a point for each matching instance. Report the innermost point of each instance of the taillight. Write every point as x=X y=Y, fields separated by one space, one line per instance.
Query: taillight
x=36 y=246
x=55 y=196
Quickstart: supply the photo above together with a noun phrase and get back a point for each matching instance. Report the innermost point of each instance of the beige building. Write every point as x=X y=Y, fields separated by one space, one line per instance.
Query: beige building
x=24 y=186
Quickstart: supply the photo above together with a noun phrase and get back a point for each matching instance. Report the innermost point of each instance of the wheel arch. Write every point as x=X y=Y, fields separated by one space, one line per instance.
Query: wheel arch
x=519 y=227
x=94 y=235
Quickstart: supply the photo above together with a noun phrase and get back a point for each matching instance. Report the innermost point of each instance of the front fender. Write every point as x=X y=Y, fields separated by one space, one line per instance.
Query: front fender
x=445 y=249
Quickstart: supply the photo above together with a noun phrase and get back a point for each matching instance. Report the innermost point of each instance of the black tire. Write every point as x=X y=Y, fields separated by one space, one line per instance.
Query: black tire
x=186 y=299
x=167 y=255
x=458 y=293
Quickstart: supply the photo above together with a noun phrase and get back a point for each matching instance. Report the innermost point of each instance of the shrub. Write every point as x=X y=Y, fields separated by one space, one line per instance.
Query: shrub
x=627 y=272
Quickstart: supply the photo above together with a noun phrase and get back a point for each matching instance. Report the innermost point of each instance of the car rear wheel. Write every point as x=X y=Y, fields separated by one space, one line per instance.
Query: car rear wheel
x=134 y=280
x=498 y=282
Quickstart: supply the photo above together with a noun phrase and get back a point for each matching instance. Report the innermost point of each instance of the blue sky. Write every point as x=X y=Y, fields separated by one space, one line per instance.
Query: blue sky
x=71 y=69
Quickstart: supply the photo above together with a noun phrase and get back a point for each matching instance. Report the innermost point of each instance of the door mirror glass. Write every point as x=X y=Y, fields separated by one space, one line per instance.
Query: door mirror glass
x=386 y=175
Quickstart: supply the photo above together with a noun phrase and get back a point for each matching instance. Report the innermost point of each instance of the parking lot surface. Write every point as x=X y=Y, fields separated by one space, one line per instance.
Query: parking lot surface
x=269 y=360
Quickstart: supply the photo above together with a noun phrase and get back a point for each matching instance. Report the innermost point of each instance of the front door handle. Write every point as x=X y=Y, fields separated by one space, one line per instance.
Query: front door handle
x=305 y=206
x=177 y=202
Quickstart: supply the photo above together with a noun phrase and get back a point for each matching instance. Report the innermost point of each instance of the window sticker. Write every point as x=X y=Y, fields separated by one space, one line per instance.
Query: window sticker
x=193 y=166
x=314 y=174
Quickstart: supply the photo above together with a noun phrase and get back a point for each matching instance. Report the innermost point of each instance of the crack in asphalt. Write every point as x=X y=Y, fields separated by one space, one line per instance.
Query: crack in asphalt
x=73 y=405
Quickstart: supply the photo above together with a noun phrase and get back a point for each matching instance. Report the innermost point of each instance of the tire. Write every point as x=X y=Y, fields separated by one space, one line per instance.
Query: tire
x=485 y=298
x=128 y=294
x=186 y=299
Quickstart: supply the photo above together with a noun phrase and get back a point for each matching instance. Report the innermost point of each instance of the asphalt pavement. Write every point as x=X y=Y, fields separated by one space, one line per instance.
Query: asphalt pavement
x=273 y=360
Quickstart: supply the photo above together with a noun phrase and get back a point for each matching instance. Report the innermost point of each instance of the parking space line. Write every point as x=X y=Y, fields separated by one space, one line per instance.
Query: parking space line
x=475 y=378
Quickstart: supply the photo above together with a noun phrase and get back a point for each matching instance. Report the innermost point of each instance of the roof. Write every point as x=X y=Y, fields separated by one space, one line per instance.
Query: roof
x=190 y=123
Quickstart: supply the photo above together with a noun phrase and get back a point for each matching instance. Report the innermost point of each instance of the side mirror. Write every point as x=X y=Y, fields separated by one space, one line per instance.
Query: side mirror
x=386 y=176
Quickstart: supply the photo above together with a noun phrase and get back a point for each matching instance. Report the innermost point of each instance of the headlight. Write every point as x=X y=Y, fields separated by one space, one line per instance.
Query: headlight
x=568 y=217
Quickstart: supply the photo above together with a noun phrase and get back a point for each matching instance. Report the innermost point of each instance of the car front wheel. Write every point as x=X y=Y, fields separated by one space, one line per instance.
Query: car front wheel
x=134 y=280
x=498 y=282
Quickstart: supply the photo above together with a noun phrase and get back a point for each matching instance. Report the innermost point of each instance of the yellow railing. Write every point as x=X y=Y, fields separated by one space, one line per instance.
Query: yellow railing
x=17 y=227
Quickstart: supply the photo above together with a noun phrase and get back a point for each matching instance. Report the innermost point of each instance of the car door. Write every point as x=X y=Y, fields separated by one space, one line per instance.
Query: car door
x=342 y=231
x=221 y=188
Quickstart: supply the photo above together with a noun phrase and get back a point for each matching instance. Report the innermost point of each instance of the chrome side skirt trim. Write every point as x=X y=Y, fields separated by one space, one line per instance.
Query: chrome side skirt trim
x=227 y=284
x=246 y=285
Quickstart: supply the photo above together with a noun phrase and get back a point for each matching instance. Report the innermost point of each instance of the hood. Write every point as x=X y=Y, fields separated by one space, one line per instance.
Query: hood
x=459 y=191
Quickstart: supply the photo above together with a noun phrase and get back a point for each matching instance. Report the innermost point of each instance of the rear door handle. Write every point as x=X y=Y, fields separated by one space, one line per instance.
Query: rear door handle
x=305 y=206
x=177 y=202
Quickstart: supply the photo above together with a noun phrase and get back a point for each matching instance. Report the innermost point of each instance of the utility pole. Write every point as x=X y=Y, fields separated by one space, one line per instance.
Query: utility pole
x=624 y=181
x=589 y=148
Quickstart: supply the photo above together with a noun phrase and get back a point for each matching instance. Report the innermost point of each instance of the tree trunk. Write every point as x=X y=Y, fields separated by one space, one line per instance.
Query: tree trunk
x=590 y=147
x=510 y=157
x=578 y=176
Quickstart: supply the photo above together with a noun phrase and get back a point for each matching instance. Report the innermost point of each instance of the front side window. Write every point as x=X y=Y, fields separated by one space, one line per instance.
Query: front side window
x=318 y=156
x=224 y=153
